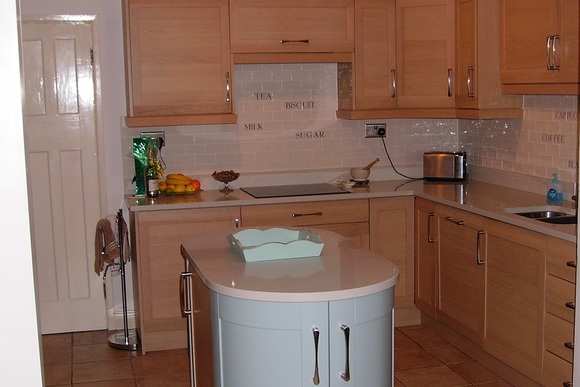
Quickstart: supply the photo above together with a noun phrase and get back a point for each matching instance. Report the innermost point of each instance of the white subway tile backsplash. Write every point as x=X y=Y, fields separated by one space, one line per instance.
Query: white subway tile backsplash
x=281 y=107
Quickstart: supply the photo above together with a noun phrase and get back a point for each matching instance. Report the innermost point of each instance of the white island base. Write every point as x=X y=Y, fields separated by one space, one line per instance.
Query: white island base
x=320 y=321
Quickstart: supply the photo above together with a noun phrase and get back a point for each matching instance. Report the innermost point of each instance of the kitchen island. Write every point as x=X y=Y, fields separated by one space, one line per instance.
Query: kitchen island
x=324 y=320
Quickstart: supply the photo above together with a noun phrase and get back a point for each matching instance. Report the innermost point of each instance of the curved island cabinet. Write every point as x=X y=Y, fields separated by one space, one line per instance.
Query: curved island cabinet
x=316 y=321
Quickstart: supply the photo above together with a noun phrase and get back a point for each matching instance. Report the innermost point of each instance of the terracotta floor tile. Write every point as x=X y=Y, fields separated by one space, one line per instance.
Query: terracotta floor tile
x=57 y=340
x=101 y=370
x=57 y=356
x=403 y=341
x=448 y=354
x=440 y=376
x=97 y=352
x=414 y=358
x=423 y=336
x=57 y=375
x=154 y=364
x=91 y=337
x=474 y=372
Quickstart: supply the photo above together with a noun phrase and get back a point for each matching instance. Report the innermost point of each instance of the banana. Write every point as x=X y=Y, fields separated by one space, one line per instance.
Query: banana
x=178 y=176
x=178 y=181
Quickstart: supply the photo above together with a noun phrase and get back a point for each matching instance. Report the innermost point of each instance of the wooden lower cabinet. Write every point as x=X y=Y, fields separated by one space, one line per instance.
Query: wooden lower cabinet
x=560 y=305
x=488 y=280
x=514 y=308
x=157 y=265
x=391 y=227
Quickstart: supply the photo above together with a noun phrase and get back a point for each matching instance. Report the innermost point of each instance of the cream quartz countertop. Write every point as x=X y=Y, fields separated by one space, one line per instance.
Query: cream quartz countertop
x=475 y=196
x=344 y=270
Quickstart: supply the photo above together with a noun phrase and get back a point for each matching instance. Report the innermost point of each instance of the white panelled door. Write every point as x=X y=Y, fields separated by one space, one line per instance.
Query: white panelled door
x=61 y=146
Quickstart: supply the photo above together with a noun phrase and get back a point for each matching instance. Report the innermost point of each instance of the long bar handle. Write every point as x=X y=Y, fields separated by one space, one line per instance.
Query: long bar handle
x=284 y=41
x=449 y=82
x=549 y=42
x=470 y=76
x=457 y=222
x=479 y=260
x=228 y=96
x=296 y=215
x=394 y=83
x=316 y=334
x=346 y=374
x=555 y=58
x=184 y=300
x=429 y=217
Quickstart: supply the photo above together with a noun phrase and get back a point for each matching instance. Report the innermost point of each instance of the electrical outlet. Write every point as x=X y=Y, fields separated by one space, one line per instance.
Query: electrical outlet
x=375 y=130
x=157 y=135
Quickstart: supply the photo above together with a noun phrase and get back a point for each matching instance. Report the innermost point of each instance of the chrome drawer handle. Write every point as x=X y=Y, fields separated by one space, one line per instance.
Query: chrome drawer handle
x=470 y=77
x=571 y=263
x=228 y=96
x=296 y=215
x=457 y=222
x=429 y=217
x=394 y=76
x=316 y=378
x=569 y=345
x=284 y=41
x=346 y=374
x=478 y=253
x=570 y=305
x=184 y=300
x=450 y=82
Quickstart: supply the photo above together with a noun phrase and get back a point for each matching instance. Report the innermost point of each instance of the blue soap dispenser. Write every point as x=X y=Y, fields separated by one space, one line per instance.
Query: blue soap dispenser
x=555 y=190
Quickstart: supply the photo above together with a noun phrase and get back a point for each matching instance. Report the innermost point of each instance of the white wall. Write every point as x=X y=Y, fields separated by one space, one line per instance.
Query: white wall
x=20 y=357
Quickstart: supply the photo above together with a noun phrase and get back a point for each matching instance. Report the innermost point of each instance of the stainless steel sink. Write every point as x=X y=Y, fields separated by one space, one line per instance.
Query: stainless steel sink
x=547 y=214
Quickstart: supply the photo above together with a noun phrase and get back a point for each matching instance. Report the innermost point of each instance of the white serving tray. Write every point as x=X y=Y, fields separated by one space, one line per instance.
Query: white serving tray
x=275 y=243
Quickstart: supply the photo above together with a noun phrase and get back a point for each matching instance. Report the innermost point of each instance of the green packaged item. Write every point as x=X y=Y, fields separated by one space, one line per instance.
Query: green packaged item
x=140 y=157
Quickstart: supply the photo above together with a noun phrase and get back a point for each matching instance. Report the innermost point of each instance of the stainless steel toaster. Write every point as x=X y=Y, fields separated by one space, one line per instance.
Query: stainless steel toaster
x=445 y=165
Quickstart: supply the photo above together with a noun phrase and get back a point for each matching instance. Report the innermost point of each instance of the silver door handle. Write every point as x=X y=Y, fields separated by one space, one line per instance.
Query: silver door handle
x=470 y=76
x=570 y=305
x=346 y=374
x=237 y=222
x=316 y=334
x=184 y=300
x=394 y=83
x=549 y=42
x=571 y=263
x=228 y=96
x=555 y=50
x=479 y=260
x=449 y=82
x=569 y=345
x=457 y=222
x=284 y=41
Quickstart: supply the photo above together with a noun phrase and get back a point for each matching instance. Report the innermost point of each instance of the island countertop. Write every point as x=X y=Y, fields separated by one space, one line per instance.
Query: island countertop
x=343 y=270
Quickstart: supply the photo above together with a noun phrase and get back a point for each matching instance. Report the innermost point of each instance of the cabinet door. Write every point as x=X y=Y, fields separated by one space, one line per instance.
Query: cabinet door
x=158 y=260
x=391 y=224
x=514 y=308
x=461 y=273
x=537 y=35
x=374 y=64
x=426 y=256
x=425 y=53
x=265 y=26
x=478 y=80
x=178 y=59
x=362 y=327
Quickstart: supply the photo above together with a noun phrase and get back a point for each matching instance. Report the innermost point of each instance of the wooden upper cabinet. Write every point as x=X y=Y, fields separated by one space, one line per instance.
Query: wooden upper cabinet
x=178 y=62
x=478 y=87
x=539 y=46
x=425 y=53
x=284 y=26
x=369 y=82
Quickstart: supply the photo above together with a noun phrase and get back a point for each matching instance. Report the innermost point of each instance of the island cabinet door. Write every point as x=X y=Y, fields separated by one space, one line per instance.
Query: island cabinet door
x=264 y=344
x=327 y=344
x=361 y=338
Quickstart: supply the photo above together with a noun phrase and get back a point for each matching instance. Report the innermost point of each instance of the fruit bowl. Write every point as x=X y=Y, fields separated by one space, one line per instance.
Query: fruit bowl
x=225 y=177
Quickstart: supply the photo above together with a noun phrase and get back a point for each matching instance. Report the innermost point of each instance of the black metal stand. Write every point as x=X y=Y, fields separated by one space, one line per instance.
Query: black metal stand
x=127 y=339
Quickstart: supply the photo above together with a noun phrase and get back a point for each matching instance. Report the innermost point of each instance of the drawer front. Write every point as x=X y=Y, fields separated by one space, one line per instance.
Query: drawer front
x=561 y=259
x=559 y=333
x=306 y=213
x=266 y=26
x=560 y=298
x=556 y=371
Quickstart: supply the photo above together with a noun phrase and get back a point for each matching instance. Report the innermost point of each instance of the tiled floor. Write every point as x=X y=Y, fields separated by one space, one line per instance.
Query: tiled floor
x=84 y=359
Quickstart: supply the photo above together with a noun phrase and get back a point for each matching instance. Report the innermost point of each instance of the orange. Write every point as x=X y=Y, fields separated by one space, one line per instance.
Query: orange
x=195 y=183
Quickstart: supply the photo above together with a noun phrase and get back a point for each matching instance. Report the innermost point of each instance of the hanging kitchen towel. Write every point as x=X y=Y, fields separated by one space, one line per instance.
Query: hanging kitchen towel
x=106 y=247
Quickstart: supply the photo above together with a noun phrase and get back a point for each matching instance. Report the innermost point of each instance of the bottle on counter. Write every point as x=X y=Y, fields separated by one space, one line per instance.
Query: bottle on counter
x=555 y=190
x=153 y=170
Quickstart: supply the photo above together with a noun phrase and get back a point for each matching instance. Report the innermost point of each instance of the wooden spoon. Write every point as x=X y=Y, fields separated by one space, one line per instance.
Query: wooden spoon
x=371 y=164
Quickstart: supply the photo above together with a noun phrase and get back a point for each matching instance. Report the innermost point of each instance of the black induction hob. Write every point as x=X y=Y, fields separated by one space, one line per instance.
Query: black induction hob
x=276 y=191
